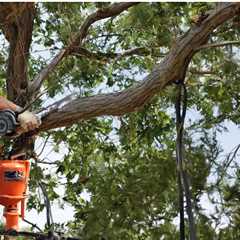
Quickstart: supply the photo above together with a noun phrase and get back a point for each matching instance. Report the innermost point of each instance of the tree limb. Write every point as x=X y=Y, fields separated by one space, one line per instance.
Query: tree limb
x=172 y=68
x=221 y=44
x=77 y=40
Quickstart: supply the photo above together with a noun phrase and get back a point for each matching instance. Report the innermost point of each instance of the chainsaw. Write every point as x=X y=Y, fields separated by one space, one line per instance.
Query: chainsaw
x=9 y=122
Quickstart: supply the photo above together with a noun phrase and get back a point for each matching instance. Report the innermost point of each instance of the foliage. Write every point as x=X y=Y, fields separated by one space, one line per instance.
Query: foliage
x=127 y=164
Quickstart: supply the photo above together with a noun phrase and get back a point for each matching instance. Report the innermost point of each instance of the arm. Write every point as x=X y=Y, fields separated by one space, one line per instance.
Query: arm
x=6 y=104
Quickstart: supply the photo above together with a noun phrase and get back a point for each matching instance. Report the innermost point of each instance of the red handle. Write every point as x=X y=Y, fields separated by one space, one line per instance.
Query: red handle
x=23 y=208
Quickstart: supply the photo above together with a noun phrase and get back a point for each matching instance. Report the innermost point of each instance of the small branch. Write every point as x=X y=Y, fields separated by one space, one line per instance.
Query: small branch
x=231 y=156
x=103 y=36
x=221 y=44
x=202 y=72
x=110 y=11
x=48 y=163
x=44 y=145
x=33 y=225
x=30 y=104
x=82 y=52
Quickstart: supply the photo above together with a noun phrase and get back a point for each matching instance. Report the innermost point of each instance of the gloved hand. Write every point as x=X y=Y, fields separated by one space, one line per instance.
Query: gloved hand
x=28 y=121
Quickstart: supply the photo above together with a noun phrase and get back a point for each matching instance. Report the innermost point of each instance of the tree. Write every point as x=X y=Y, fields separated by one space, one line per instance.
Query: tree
x=94 y=46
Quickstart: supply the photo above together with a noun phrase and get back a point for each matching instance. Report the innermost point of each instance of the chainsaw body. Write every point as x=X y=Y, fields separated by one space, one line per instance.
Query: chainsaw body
x=14 y=175
x=8 y=122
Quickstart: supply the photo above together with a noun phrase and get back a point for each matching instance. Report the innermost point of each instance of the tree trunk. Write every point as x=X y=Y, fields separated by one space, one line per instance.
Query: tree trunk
x=17 y=24
x=19 y=34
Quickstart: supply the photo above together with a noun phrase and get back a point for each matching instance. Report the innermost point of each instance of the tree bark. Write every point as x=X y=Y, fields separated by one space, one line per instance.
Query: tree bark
x=17 y=28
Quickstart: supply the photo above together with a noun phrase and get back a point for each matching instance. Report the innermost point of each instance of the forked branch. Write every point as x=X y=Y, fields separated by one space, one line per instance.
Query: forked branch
x=77 y=40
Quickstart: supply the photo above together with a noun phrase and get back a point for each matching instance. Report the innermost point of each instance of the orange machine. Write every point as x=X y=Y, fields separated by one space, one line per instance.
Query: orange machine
x=14 y=176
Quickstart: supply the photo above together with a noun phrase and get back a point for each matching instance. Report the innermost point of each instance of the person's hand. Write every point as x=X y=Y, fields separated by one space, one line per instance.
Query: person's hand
x=28 y=121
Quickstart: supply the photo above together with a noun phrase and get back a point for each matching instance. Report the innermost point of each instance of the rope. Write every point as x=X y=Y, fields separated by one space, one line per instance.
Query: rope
x=183 y=182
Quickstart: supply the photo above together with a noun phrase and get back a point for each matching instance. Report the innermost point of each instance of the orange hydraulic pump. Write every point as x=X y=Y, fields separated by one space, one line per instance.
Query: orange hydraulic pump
x=14 y=176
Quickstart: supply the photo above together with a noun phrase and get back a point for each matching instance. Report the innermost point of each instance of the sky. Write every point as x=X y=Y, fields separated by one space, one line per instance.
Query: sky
x=228 y=140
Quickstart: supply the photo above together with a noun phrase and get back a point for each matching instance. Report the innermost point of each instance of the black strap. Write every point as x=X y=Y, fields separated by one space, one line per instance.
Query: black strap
x=183 y=182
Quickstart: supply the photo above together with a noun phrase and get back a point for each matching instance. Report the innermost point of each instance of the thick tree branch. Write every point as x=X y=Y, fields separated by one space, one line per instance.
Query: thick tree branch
x=77 y=40
x=172 y=68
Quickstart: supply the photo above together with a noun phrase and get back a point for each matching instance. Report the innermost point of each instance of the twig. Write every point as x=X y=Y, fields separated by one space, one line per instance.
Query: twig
x=202 y=72
x=80 y=51
x=44 y=145
x=49 y=163
x=103 y=35
x=33 y=101
x=32 y=224
x=231 y=156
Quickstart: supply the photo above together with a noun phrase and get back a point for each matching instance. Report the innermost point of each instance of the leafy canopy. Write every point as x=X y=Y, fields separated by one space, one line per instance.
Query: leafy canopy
x=127 y=164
